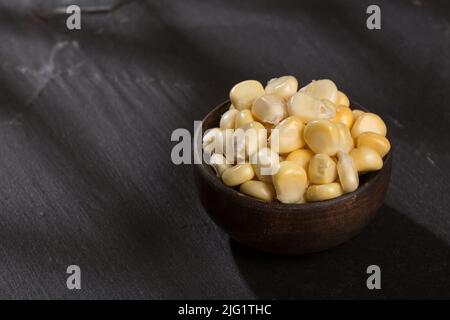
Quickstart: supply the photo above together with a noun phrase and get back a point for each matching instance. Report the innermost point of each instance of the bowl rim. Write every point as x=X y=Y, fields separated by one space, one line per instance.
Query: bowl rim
x=370 y=178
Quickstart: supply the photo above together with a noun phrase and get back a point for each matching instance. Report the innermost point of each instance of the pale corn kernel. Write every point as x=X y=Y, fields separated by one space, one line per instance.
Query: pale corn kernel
x=366 y=159
x=238 y=174
x=321 y=169
x=284 y=87
x=346 y=142
x=219 y=164
x=347 y=172
x=243 y=117
x=231 y=107
x=301 y=157
x=323 y=192
x=249 y=139
x=265 y=164
x=374 y=141
x=344 y=115
x=322 y=89
x=258 y=189
x=322 y=136
x=368 y=122
x=228 y=119
x=356 y=113
x=290 y=182
x=290 y=135
x=342 y=99
x=209 y=136
x=269 y=109
x=308 y=109
x=243 y=94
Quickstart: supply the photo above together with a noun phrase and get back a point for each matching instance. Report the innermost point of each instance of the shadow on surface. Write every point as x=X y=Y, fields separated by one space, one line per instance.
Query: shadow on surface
x=413 y=262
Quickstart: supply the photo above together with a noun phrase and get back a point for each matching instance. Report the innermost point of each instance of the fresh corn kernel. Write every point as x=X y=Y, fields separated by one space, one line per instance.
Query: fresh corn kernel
x=346 y=142
x=322 y=136
x=308 y=109
x=266 y=164
x=249 y=139
x=269 y=109
x=243 y=117
x=258 y=189
x=228 y=119
x=322 y=89
x=366 y=159
x=238 y=174
x=368 y=122
x=300 y=157
x=284 y=87
x=374 y=141
x=347 y=172
x=344 y=115
x=323 y=192
x=243 y=94
x=342 y=99
x=219 y=164
x=356 y=113
x=321 y=169
x=290 y=182
x=290 y=135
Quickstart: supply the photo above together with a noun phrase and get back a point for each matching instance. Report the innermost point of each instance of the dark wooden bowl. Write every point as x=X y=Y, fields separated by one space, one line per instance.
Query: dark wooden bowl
x=289 y=228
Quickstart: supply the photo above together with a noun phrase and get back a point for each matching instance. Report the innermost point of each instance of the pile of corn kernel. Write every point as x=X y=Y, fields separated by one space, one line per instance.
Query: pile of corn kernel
x=323 y=144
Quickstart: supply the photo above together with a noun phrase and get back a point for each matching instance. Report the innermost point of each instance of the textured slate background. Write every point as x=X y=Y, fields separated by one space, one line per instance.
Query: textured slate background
x=85 y=124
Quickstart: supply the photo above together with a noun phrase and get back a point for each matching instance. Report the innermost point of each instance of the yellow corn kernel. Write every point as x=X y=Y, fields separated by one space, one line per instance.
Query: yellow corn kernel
x=342 y=99
x=265 y=164
x=284 y=87
x=228 y=119
x=231 y=107
x=368 y=122
x=290 y=182
x=346 y=142
x=366 y=159
x=242 y=118
x=321 y=169
x=322 y=89
x=269 y=109
x=322 y=136
x=219 y=164
x=238 y=174
x=374 y=141
x=344 y=115
x=347 y=172
x=243 y=94
x=323 y=192
x=308 y=109
x=289 y=136
x=356 y=113
x=249 y=139
x=258 y=189
x=301 y=157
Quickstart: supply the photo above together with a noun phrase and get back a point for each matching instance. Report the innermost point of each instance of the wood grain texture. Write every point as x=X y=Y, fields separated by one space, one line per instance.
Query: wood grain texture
x=85 y=124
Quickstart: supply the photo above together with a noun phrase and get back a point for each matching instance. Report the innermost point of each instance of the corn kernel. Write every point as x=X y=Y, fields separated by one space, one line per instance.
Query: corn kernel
x=209 y=136
x=250 y=138
x=243 y=94
x=231 y=107
x=368 y=122
x=344 y=115
x=238 y=174
x=269 y=109
x=266 y=164
x=356 y=113
x=342 y=99
x=322 y=136
x=290 y=182
x=321 y=169
x=284 y=87
x=374 y=141
x=308 y=109
x=322 y=89
x=258 y=189
x=300 y=157
x=290 y=135
x=219 y=164
x=323 y=192
x=227 y=121
x=243 y=117
x=366 y=159
x=346 y=142
x=347 y=172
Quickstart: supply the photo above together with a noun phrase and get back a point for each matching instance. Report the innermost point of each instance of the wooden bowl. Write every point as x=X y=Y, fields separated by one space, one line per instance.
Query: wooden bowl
x=289 y=228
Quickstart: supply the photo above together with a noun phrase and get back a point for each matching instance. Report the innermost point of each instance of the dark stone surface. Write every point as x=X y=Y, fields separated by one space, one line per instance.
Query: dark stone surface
x=85 y=124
